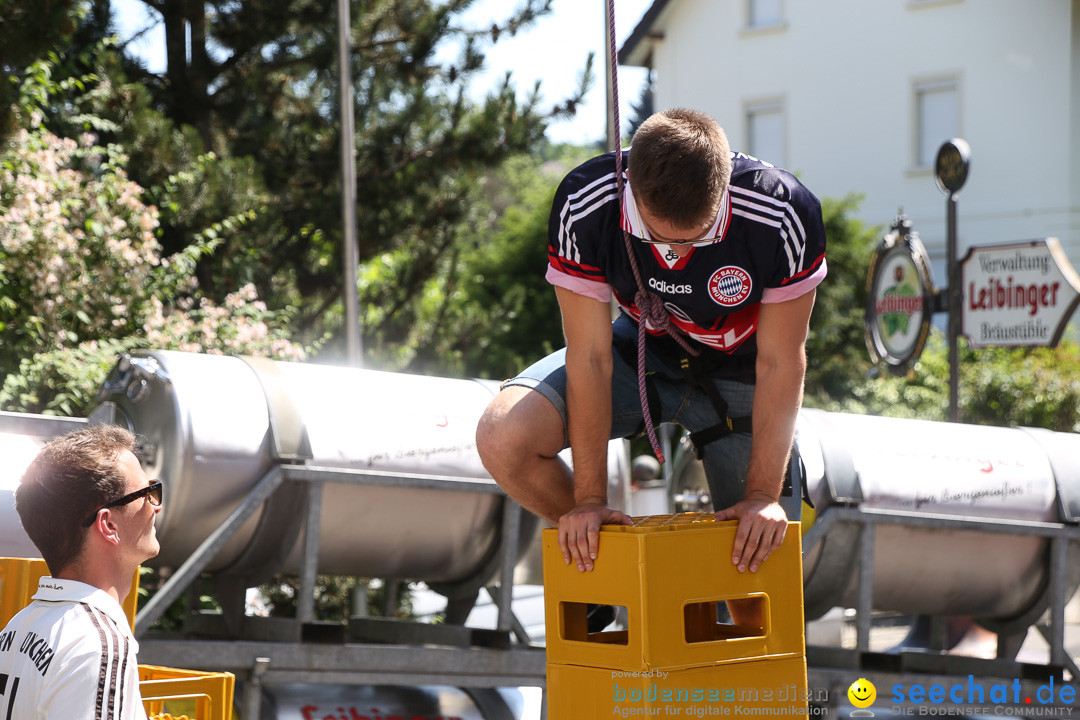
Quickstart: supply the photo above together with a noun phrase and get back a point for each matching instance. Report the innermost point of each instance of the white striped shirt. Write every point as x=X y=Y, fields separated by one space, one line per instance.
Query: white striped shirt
x=69 y=654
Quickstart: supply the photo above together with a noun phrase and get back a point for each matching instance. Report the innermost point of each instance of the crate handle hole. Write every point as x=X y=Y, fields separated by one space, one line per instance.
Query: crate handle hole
x=576 y=620
x=729 y=619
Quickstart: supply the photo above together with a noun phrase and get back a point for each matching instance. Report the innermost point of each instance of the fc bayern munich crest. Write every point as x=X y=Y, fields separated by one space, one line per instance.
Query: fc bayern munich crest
x=730 y=285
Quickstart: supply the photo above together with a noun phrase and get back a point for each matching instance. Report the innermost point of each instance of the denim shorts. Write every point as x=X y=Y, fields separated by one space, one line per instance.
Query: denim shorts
x=725 y=460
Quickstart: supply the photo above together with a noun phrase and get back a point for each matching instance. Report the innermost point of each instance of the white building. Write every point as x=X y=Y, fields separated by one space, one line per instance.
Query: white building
x=858 y=95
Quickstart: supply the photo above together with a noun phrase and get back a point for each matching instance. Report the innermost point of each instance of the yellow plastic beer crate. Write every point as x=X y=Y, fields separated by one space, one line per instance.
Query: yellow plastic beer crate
x=673 y=577
x=205 y=695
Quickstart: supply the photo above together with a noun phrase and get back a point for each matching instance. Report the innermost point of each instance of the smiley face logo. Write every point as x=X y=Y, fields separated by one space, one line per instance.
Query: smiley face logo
x=862 y=693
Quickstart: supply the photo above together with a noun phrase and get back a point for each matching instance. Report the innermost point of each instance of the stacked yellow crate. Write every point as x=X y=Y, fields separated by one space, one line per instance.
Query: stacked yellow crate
x=207 y=695
x=672 y=574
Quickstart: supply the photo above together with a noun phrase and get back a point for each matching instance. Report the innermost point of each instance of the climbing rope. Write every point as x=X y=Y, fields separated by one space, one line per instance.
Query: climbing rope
x=649 y=305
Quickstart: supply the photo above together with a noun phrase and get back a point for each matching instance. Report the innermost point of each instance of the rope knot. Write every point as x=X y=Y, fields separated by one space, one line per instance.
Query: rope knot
x=653 y=312
x=652 y=309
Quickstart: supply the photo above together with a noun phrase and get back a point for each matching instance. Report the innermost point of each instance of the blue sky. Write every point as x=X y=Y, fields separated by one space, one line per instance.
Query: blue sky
x=553 y=51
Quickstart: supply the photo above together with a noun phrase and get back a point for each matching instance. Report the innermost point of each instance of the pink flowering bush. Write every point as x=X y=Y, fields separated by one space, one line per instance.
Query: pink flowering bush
x=77 y=245
x=242 y=326
x=82 y=278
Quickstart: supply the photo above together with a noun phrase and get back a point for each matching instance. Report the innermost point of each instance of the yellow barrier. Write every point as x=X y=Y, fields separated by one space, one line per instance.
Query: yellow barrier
x=673 y=574
x=210 y=692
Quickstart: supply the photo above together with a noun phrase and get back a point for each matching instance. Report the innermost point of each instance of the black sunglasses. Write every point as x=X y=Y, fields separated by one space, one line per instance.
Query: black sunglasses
x=151 y=492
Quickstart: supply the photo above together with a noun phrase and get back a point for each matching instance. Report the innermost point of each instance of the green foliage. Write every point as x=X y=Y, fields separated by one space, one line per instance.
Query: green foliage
x=1030 y=387
x=1024 y=387
x=62 y=382
x=835 y=349
x=82 y=276
x=487 y=311
x=172 y=620
x=922 y=393
x=334 y=597
x=76 y=245
x=255 y=83
x=30 y=31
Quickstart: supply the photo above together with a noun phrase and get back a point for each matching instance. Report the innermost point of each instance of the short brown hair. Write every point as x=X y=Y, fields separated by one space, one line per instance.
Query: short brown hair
x=680 y=166
x=70 y=477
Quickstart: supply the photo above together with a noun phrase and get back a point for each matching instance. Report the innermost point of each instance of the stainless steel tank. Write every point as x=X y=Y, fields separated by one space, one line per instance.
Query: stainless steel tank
x=972 y=475
x=213 y=425
x=21 y=436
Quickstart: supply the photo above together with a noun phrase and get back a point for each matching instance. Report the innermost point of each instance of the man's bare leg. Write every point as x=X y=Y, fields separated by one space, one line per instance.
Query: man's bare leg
x=519 y=438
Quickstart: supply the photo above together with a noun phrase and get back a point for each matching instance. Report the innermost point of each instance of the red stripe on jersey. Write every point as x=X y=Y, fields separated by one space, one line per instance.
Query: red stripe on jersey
x=580 y=270
x=805 y=273
x=734 y=331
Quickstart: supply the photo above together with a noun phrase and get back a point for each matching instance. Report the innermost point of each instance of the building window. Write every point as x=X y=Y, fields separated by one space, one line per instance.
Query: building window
x=764 y=13
x=765 y=132
x=937 y=108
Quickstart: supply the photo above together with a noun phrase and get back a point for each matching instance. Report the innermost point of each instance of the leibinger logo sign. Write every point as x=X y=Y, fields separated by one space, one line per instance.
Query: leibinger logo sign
x=898 y=298
x=973 y=696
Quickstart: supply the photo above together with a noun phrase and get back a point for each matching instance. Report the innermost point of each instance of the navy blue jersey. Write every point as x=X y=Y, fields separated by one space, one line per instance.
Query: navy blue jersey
x=768 y=246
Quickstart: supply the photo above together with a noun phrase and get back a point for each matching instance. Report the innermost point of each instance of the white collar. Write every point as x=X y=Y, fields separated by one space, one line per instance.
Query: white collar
x=631 y=219
x=52 y=589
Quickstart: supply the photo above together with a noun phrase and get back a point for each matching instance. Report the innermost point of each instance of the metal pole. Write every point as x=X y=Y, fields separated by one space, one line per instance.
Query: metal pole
x=305 y=609
x=951 y=171
x=350 y=255
x=253 y=691
x=955 y=299
x=1059 y=554
x=510 y=530
x=865 y=590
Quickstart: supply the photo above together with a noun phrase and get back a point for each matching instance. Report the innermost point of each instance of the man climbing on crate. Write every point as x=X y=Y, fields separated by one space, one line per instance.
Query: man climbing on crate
x=713 y=258
x=89 y=508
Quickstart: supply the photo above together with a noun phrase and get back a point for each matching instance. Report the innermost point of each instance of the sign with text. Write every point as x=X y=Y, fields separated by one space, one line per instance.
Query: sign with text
x=1018 y=294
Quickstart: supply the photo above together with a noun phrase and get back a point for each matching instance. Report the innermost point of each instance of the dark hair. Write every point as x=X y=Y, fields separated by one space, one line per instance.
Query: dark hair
x=680 y=166
x=70 y=477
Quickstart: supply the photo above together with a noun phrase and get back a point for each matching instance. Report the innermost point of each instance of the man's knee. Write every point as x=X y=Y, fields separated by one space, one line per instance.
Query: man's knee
x=516 y=424
x=491 y=431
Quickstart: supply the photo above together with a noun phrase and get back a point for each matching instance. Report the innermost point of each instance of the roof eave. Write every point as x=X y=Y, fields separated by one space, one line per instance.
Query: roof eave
x=637 y=48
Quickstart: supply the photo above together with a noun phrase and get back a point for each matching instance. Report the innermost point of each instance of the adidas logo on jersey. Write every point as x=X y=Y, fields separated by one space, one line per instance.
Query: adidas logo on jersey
x=671 y=289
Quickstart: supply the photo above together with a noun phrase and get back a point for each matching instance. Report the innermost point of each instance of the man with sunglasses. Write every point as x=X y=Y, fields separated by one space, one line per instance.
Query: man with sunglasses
x=89 y=508
x=731 y=250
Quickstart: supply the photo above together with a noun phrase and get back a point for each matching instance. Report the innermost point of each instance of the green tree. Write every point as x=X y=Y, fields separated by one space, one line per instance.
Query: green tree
x=255 y=83
x=836 y=352
x=82 y=275
x=488 y=311
x=1023 y=387
x=30 y=32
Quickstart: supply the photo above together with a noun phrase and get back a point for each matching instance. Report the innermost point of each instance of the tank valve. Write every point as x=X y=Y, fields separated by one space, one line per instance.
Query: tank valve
x=137 y=390
x=131 y=377
x=692 y=501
